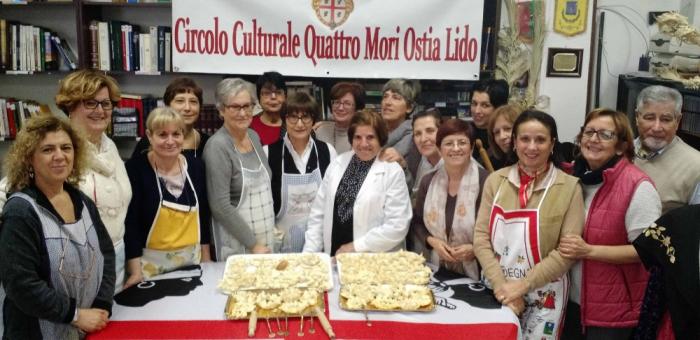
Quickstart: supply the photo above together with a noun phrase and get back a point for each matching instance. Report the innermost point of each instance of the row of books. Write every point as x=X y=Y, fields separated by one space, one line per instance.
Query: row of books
x=27 y=48
x=120 y=46
x=15 y=112
x=691 y=114
x=130 y=114
x=209 y=120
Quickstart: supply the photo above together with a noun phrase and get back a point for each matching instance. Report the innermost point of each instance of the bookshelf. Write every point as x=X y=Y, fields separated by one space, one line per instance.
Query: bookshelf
x=629 y=86
x=71 y=20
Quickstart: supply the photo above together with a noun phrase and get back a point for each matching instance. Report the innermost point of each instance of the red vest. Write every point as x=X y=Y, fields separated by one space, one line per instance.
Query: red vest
x=612 y=294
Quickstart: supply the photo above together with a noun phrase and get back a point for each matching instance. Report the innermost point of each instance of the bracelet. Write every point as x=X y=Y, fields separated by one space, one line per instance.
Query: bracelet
x=75 y=316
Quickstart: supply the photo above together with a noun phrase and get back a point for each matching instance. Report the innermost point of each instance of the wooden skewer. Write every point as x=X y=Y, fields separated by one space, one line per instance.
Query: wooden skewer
x=324 y=322
x=484 y=155
x=252 y=323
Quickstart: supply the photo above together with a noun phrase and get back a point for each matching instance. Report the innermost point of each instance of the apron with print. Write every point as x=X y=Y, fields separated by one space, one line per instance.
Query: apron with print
x=515 y=242
x=255 y=207
x=174 y=238
x=297 y=194
x=76 y=264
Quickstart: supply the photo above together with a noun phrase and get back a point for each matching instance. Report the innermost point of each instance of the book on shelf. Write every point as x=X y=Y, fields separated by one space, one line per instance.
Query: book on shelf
x=67 y=54
x=103 y=46
x=15 y=113
x=209 y=119
x=27 y=48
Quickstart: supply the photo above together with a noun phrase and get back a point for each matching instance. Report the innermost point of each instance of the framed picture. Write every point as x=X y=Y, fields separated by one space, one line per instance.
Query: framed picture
x=564 y=62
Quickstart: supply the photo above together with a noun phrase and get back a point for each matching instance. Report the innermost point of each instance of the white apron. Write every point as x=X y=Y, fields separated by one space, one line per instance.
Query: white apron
x=255 y=207
x=174 y=238
x=515 y=242
x=464 y=215
x=296 y=196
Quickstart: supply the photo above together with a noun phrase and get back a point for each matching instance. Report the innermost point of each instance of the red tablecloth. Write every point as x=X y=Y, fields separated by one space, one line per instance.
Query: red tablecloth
x=199 y=315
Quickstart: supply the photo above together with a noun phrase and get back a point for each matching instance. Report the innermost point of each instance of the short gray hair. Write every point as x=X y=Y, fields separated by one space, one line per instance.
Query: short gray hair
x=232 y=87
x=660 y=94
x=408 y=89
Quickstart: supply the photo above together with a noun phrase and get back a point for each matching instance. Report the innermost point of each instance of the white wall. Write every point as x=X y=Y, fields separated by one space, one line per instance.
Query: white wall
x=623 y=44
x=567 y=95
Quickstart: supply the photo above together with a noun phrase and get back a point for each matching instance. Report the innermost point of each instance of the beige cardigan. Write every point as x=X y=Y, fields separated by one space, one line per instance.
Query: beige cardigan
x=561 y=213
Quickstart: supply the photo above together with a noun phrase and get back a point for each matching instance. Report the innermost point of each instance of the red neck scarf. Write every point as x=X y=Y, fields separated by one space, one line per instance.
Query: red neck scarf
x=525 y=182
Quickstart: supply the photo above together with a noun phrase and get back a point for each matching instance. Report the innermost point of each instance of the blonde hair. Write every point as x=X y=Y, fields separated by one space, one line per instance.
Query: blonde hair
x=18 y=163
x=163 y=116
x=83 y=85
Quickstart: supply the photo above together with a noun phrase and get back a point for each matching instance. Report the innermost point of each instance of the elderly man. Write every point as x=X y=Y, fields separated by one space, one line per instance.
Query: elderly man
x=673 y=165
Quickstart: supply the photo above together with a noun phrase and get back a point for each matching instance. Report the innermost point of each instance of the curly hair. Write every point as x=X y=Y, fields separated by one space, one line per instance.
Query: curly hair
x=82 y=85
x=18 y=161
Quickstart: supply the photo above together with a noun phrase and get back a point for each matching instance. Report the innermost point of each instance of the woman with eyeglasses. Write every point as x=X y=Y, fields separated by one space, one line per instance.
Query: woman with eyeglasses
x=168 y=222
x=238 y=177
x=272 y=95
x=525 y=209
x=88 y=98
x=346 y=99
x=608 y=281
x=185 y=97
x=298 y=163
x=448 y=199
x=57 y=258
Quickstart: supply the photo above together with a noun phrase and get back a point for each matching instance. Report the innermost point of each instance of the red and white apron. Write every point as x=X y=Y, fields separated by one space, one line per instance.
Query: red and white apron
x=515 y=242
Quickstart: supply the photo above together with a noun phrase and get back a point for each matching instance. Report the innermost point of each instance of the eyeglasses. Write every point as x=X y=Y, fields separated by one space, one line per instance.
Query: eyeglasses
x=460 y=144
x=84 y=275
x=268 y=93
x=338 y=103
x=92 y=104
x=293 y=119
x=245 y=108
x=605 y=135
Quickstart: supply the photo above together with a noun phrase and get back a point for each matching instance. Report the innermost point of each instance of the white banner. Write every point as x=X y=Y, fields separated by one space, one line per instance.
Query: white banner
x=422 y=39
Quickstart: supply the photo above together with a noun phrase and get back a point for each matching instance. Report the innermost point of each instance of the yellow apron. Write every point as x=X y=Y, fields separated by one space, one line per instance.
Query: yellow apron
x=174 y=238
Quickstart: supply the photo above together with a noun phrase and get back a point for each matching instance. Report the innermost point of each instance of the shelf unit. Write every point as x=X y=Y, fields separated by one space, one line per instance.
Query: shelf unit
x=71 y=20
x=629 y=86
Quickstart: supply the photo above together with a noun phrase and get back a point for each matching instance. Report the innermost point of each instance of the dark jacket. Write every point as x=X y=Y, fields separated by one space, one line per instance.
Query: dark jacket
x=675 y=281
x=25 y=267
x=146 y=201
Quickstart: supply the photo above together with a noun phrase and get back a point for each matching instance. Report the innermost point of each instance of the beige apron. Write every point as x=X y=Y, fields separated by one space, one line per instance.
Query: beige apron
x=174 y=238
x=515 y=242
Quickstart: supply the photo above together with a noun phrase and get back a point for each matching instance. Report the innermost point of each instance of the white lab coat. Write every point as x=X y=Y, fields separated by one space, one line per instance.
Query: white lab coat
x=381 y=214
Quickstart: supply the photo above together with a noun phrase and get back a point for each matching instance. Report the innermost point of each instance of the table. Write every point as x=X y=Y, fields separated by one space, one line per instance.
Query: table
x=200 y=315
